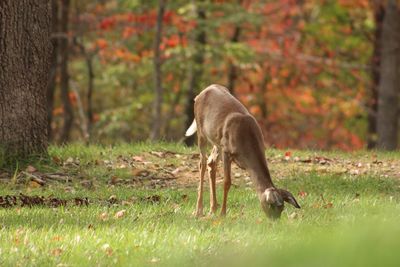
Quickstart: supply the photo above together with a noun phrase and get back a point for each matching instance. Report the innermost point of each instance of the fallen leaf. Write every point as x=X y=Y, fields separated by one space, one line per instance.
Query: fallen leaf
x=288 y=154
x=34 y=184
x=140 y=172
x=302 y=194
x=316 y=205
x=154 y=260
x=122 y=166
x=30 y=169
x=120 y=214
x=137 y=158
x=328 y=205
x=56 y=238
x=176 y=171
x=56 y=252
x=69 y=160
x=56 y=159
x=114 y=179
x=107 y=249
x=104 y=216
x=158 y=154
x=112 y=199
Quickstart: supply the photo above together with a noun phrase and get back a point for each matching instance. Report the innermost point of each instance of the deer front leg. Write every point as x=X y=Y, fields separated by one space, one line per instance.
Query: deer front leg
x=212 y=163
x=227 y=180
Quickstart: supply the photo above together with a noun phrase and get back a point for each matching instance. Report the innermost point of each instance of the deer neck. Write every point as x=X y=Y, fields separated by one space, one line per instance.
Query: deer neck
x=259 y=173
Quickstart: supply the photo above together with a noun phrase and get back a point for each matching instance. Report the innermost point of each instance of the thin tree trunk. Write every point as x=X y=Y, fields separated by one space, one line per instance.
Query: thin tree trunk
x=64 y=80
x=389 y=85
x=53 y=69
x=196 y=72
x=372 y=104
x=25 y=50
x=89 y=56
x=89 y=64
x=232 y=71
x=158 y=88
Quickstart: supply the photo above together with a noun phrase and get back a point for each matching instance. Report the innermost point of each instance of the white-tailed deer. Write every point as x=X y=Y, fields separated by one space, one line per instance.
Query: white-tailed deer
x=235 y=135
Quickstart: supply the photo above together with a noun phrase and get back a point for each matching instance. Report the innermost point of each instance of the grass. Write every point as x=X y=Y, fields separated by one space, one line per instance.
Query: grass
x=345 y=220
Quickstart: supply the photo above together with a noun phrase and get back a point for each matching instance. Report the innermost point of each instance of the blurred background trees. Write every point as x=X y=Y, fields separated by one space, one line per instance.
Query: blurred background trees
x=315 y=74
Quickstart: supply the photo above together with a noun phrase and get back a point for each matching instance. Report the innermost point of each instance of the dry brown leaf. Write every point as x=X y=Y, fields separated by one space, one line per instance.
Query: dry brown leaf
x=30 y=169
x=158 y=154
x=34 y=184
x=56 y=238
x=140 y=172
x=56 y=252
x=114 y=179
x=119 y=214
x=137 y=158
x=293 y=215
x=56 y=159
x=103 y=216
x=176 y=171
x=107 y=249
x=302 y=194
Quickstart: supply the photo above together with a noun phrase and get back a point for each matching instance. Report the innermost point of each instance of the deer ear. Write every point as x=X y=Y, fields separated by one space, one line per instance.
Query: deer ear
x=289 y=198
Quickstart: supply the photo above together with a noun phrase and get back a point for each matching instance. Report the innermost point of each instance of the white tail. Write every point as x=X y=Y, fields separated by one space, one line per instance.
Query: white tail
x=192 y=129
x=236 y=137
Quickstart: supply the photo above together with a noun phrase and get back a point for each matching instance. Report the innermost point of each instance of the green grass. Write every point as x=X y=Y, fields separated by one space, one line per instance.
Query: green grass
x=345 y=220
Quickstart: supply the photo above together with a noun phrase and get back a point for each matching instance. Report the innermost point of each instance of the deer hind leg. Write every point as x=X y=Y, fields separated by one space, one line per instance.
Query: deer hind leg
x=212 y=164
x=227 y=180
x=202 y=167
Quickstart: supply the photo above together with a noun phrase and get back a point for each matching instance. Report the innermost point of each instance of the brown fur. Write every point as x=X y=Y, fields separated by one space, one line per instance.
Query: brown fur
x=235 y=135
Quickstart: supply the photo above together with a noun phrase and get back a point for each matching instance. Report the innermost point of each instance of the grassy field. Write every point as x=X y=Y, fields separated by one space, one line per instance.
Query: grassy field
x=141 y=198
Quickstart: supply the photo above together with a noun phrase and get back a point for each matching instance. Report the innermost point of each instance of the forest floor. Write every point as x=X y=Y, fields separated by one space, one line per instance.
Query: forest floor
x=132 y=205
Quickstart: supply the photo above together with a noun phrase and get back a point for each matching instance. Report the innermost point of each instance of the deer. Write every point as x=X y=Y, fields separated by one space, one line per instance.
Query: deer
x=235 y=136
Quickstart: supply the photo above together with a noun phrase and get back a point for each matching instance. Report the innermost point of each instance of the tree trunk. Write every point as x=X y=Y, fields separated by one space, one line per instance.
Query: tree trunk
x=25 y=51
x=379 y=13
x=89 y=64
x=53 y=68
x=158 y=89
x=64 y=79
x=389 y=85
x=196 y=72
x=232 y=72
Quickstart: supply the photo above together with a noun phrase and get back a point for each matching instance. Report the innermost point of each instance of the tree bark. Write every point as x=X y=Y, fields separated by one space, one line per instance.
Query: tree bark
x=379 y=13
x=389 y=84
x=232 y=72
x=25 y=51
x=64 y=79
x=196 y=72
x=158 y=88
x=53 y=69
x=89 y=64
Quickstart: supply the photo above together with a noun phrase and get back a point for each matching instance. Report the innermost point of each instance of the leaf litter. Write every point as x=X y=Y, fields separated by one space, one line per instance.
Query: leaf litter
x=159 y=169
